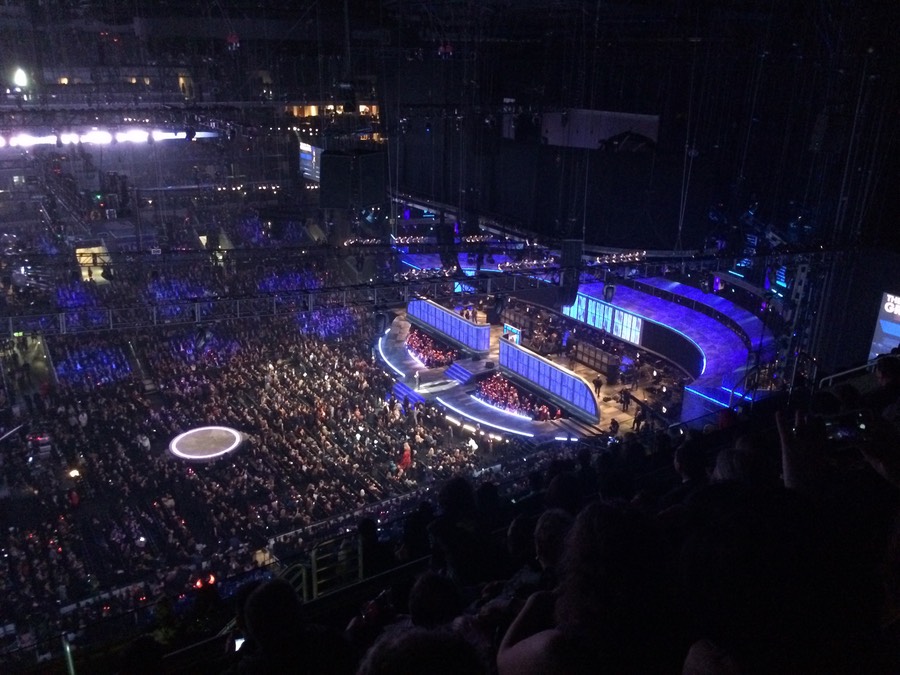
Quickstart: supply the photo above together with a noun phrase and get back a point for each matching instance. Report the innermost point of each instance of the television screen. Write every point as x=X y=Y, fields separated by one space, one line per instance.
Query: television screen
x=887 y=327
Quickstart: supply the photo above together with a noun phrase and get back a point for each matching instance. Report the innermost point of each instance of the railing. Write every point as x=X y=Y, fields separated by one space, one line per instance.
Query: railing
x=206 y=310
x=334 y=564
x=829 y=381
x=297 y=575
x=696 y=305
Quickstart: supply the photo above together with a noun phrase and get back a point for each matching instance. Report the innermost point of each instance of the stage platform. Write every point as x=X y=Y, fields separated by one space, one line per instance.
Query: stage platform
x=726 y=357
x=761 y=338
x=453 y=386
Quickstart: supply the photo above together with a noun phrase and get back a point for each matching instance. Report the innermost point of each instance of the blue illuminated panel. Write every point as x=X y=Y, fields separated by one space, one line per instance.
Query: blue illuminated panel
x=310 y=162
x=564 y=386
x=577 y=311
x=512 y=333
x=659 y=338
x=599 y=314
x=448 y=323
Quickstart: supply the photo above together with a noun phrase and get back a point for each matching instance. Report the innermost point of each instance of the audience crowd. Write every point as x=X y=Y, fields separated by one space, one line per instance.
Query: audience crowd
x=502 y=393
x=428 y=351
x=171 y=287
x=773 y=551
x=106 y=507
x=776 y=549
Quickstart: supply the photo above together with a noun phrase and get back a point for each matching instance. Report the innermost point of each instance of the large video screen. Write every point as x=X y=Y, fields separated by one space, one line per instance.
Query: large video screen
x=310 y=165
x=599 y=314
x=887 y=328
x=476 y=337
x=546 y=375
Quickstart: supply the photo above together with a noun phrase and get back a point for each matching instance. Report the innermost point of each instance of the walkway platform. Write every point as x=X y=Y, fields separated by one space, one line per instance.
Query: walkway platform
x=453 y=388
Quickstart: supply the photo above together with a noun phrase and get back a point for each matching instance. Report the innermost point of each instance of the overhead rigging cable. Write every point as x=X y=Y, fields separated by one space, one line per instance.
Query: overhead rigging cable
x=688 y=159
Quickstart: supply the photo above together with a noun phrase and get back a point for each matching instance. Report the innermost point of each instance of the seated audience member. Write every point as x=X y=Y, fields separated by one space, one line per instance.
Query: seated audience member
x=144 y=656
x=747 y=462
x=549 y=543
x=434 y=601
x=564 y=492
x=612 y=611
x=248 y=646
x=460 y=544
x=419 y=651
x=768 y=589
x=887 y=374
x=540 y=573
x=286 y=643
x=690 y=463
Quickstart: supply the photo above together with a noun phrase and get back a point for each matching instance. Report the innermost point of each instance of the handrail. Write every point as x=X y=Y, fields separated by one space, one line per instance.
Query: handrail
x=741 y=382
x=827 y=381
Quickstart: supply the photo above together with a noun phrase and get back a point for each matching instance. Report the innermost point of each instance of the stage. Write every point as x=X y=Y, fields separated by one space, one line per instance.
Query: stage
x=727 y=346
x=453 y=388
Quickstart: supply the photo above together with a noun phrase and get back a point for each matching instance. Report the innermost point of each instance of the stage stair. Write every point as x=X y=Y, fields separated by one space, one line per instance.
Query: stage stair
x=458 y=373
x=401 y=390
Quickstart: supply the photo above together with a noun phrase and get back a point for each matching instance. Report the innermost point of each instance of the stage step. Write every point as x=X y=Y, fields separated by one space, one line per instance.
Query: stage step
x=401 y=390
x=458 y=373
x=576 y=428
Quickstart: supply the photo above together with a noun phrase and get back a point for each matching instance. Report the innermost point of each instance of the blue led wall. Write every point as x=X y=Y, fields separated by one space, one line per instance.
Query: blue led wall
x=449 y=324
x=656 y=337
x=560 y=384
x=613 y=320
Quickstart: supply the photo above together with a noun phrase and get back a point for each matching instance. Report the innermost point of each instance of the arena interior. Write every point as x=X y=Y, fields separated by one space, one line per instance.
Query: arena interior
x=449 y=337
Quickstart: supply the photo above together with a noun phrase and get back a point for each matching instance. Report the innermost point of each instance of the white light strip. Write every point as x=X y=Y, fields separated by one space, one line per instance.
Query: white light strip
x=480 y=421
x=415 y=358
x=132 y=136
x=99 y=137
x=27 y=140
x=564 y=438
x=235 y=436
x=499 y=410
x=385 y=359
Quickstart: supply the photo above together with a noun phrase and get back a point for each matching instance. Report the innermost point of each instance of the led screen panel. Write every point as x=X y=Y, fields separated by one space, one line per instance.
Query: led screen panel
x=310 y=162
x=632 y=328
x=577 y=310
x=887 y=327
x=512 y=333
x=563 y=385
x=448 y=323
x=607 y=317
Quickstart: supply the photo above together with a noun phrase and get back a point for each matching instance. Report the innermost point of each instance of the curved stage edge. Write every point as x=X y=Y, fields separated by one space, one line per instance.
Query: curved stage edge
x=451 y=388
